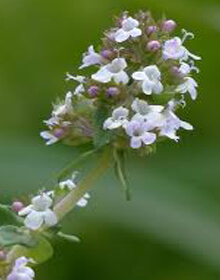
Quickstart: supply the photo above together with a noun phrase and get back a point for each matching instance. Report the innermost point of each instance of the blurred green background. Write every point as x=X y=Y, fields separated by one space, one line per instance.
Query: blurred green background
x=171 y=229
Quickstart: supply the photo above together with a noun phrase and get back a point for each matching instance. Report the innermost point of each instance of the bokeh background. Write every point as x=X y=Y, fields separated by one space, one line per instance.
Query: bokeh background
x=171 y=229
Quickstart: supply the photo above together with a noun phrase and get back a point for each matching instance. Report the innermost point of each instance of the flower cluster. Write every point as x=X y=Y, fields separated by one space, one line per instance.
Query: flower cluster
x=143 y=76
x=139 y=77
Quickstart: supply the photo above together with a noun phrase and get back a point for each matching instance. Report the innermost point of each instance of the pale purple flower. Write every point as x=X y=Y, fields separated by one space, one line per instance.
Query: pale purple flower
x=91 y=58
x=189 y=85
x=129 y=29
x=118 y=119
x=146 y=113
x=113 y=70
x=39 y=212
x=150 y=79
x=174 y=49
x=139 y=133
x=170 y=123
x=21 y=271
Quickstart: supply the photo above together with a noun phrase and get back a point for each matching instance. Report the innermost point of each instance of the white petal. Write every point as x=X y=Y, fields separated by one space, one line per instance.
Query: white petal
x=136 y=32
x=186 y=125
x=129 y=24
x=149 y=138
x=158 y=87
x=121 y=36
x=50 y=218
x=147 y=87
x=121 y=77
x=103 y=75
x=139 y=76
x=34 y=220
x=136 y=142
x=152 y=72
x=25 y=210
x=117 y=65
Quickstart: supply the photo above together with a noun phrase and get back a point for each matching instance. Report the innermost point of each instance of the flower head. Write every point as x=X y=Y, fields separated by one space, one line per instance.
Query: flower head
x=150 y=79
x=129 y=29
x=39 y=212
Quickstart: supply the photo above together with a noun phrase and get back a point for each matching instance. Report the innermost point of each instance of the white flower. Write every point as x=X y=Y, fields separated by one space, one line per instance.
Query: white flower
x=139 y=133
x=118 y=119
x=129 y=29
x=91 y=58
x=49 y=137
x=146 y=113
x=20 y=271
x=65 y=108
x=39 y=212
x=170 y=123
x=150 y=78
x=190 y=86
x=71 y=185
x=113 y=70
x=80 y=79
x=173 y=49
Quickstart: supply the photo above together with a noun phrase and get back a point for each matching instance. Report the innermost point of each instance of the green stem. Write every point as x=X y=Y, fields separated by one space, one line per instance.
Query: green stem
x=69 y=202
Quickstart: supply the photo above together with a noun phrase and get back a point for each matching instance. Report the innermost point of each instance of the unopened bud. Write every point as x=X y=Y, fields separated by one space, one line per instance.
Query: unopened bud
x=17 y=206
x=58 y=132
x=113 y=91
x=169 y=25
x=153 y=46
x=107 y=54
x=93 y=91
x=151 y=29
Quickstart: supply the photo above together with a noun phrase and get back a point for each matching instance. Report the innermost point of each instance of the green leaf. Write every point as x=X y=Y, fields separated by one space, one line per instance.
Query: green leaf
x=12 y=235
x=119 y=157
x=40 y=253
x=7 y=211
x=102 y=137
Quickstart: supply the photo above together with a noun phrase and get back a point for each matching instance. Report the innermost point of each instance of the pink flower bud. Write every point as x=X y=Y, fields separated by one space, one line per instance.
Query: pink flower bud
x=169 y=25
x=17 y=206
x=153 y=46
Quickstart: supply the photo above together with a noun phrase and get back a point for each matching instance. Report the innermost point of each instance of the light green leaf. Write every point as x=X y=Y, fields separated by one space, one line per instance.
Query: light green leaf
x=12 y=235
